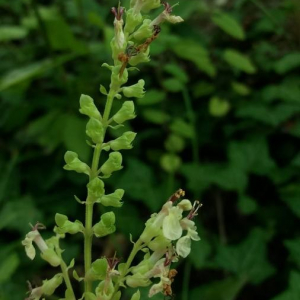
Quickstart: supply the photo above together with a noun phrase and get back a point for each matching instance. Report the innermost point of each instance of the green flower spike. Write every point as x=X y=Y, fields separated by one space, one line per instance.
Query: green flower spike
x=136 y=90
x=114 y=163
x=125 y=113
x=123 y=142
x=118 y=43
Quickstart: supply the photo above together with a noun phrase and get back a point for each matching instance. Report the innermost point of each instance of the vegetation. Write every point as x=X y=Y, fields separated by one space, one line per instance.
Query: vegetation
x=220 y=119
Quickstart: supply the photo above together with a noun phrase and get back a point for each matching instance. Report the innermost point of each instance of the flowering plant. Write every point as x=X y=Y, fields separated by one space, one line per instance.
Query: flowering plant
x=162 y=240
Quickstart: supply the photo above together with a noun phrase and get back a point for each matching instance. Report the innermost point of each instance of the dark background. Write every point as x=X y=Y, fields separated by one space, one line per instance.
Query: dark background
x=220 y=119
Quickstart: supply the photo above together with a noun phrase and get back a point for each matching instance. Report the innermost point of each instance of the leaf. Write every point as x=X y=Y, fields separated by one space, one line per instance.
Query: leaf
x=294 y=249
x=239 y=61
x=218 y=107
x=177 y=72
x=197 y=54
x=170 y=162
x=8 y=266
x=226 y=289
x=293 y=292
x=32 y=70
x=240 y=88
x=229 y=25
x=248 y=259
x=152 y=97
x=8 y=33
x=172 y=85
x=182 y=128
x=155 y=116
x=288 y=63
x=290 y=194
x=246 y=204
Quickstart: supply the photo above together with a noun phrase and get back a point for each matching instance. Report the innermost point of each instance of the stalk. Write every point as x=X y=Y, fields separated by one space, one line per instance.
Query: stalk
x=66 y=277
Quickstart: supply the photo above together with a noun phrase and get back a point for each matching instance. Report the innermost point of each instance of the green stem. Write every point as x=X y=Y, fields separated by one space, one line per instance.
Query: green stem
x=192 y=119
x=136 y=248
x=66 y=277
x=88 y=232
x=186 y=280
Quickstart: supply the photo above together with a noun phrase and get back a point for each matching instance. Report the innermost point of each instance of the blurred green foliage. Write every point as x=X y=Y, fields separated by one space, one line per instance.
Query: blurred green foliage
x=220 y=119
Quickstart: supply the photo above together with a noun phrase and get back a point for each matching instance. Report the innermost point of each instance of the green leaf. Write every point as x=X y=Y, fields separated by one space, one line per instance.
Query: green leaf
x=226 y=289
x=248 y=259
x=182 y=128
x=240 y=88
x=152 y=97
x=239 y=61
x=177 y=72
x=172 y=85
x=197 y=54
x=246 y=204
x=229 y=25
x=218 y=107
x=8 y=33
x=294 y=250
x=288 y=63
x=155 y=116
x=170 y=162
x=293 y=292
x=290 y=194
x=8 y=267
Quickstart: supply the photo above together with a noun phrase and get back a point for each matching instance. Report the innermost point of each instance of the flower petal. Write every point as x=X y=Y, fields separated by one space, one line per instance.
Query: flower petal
x=183 y=246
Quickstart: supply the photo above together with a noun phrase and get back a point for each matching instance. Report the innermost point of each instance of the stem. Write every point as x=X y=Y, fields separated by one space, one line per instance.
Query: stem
x=186 y=280
x=88 y=232
x=66 y=277
x=192 y=119
x=134 y=251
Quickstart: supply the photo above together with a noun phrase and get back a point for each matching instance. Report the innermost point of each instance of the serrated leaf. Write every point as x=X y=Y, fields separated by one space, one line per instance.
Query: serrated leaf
x=229 y=25
x=239 y=61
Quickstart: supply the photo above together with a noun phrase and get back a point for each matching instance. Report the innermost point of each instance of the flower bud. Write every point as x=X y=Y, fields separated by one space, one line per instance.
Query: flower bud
x=51 y=257
x=145 y=31
x=66 y=226
x=105 y=290
x=136 y=296
x=136 y=90
x=73 y=163
x=49 y=286
x=95 y=130
x=114 y=163
x=87 y=107
x=159 y=243
x=133 y=19
x=137 y=280
x=98 y=270
x=185 y=205
x=123 y=142
x=166 y=16
x=125 y=113
x=141 y=57
x=95 y=188
x=106 y=225
x=145 y=5
x=113 y=199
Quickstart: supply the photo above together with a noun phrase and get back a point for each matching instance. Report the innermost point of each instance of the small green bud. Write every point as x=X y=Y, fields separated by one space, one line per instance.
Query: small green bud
x=123 y=142
x=95 y=130
x=141 y=57
x=125 y=113
x=49 y=286
x=137 y=280
x=98 y=270
x=136 y=90
x=136 y=296
x=96 y=188
x=114 y=163
x=73 y=163
x=106 y=225
x=145 y=31
x=51 y=257
x=113 y=199
x=133 y=19
x=105 y=290
x=88 y=107
x=66 y=226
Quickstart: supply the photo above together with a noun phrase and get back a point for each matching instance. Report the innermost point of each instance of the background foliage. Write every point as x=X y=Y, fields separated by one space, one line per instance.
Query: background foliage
x=220 y=119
